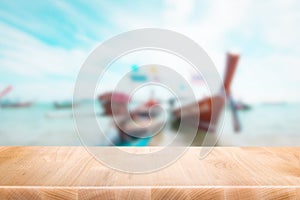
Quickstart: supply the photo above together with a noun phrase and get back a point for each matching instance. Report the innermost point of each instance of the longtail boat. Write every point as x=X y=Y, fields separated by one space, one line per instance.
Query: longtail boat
x=133 y=126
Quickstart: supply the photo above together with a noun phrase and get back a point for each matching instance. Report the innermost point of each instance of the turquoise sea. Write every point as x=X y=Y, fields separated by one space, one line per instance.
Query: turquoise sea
x=42 y=124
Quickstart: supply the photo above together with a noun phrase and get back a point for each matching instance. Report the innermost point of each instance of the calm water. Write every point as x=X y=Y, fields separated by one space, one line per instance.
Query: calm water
x=275 y=125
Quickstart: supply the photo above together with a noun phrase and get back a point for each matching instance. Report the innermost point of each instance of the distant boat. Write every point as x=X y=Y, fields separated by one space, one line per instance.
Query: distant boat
x=64 y=105
x=16 y=104
x=242 y=106
x=11 y=104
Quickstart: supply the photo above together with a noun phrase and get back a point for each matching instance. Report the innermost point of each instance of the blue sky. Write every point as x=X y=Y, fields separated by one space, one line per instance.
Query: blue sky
x=43 y=43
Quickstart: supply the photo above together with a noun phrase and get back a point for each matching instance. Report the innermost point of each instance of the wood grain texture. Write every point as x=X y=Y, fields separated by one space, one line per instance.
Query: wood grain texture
x=226 y=173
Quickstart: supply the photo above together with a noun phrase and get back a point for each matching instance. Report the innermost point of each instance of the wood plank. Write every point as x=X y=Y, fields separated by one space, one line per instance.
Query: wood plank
x=227 y=172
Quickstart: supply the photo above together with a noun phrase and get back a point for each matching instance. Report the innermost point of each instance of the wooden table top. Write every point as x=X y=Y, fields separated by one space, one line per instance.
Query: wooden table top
x=227 y=172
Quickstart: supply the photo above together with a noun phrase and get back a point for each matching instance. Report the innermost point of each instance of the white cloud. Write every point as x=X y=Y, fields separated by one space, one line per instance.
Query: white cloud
x=271 y=25
x=274 y=73
x=177 y=11
x=25 y=56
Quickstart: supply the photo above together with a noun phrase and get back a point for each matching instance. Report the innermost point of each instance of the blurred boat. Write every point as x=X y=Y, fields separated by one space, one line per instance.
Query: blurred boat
x=12 y=104
x=119 y=101
x=64 y=105
x=210 y=108
x=132 y=126
x=8 y=104
x=137 y=130
x=137 y=123
x=239 y=105
x=149 y=109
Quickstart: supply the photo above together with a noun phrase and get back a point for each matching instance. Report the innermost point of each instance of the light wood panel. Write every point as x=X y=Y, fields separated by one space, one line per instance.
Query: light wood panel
x=227 y=172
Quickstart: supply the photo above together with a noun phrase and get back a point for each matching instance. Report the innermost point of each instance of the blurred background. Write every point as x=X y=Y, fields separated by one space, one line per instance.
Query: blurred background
x=44 y=43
